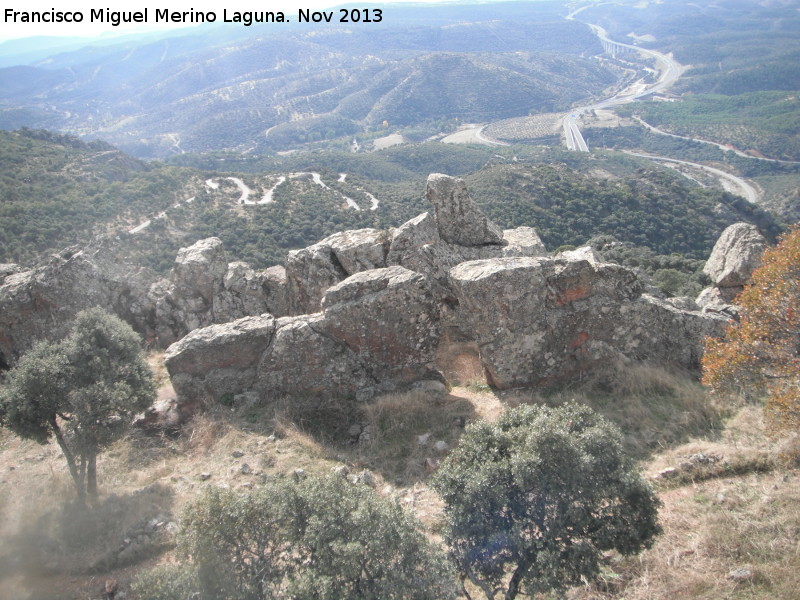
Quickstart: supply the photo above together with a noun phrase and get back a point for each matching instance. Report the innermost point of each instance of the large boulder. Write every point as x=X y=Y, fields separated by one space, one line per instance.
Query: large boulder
x=735 y=256
x=312 y=270
x=377 y=332
x=221 y=359
x=540 y=320
x=41 y=303
x=458 y=217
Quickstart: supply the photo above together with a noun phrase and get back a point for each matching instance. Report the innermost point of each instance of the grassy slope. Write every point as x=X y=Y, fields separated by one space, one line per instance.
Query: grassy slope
x=737 y=512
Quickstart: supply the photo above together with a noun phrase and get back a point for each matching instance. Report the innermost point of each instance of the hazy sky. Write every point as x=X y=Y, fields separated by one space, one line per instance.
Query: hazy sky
x=10 y=30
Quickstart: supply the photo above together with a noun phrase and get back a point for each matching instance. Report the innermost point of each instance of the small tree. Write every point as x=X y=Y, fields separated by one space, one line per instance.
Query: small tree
x=760 y=355
x=532 y=500
x=81 y=390
x=317 y=539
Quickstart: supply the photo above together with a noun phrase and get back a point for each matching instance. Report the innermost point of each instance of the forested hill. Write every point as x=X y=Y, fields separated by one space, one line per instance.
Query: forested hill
x=56 y=191
x=274 y=87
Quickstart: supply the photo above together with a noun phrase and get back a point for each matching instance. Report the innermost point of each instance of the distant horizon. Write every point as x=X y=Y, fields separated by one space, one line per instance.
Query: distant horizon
x=18 y=30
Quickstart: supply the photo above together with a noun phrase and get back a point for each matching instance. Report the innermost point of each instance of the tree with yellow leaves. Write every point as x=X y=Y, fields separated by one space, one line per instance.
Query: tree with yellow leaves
x=760 y=355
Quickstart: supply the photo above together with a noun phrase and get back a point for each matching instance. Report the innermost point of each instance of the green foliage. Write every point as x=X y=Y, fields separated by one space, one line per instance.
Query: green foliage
x=166 y=582
x=87 y=385
x=765 y=121
x=57 y=190
x=320 y=539
x=538 y=496
x=650 y=208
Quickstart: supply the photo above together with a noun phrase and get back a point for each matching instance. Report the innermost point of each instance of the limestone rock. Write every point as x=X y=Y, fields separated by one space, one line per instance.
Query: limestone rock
x=735 y=256
x=538 y=320
x=459 y=219
x=313 y=270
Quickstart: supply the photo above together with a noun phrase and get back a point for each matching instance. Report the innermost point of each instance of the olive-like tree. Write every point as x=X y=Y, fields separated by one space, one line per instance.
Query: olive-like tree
x=314 y=539
x=532 y=500
x=81 y=390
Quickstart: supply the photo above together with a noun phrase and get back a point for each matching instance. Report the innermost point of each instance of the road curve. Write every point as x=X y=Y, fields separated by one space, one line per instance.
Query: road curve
x=745 y=189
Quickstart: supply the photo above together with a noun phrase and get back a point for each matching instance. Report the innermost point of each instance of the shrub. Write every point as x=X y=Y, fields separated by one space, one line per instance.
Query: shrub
x=532 y=500
x=320 y=539
x=759 y=354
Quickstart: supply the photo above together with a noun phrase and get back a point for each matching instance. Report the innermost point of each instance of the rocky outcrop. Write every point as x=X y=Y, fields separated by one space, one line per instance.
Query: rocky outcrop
x=539 y=320
x=186 y=301
x=201 y=289
x=311 y=271
x=730 y=266
x=431 y=244
x=41 y=303
x=249 y=292
x=459 y=219
x=377 y=332
x=204 y=289
x=362 y=312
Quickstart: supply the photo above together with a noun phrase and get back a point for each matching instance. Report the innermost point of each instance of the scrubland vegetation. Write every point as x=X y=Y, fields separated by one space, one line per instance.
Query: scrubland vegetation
x=531 y=493
x=730 y=502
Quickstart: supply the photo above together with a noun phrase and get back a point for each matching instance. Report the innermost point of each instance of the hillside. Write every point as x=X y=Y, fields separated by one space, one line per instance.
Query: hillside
x=57 y=191
x=736 y=510
x=740 y=85
x=221 y=89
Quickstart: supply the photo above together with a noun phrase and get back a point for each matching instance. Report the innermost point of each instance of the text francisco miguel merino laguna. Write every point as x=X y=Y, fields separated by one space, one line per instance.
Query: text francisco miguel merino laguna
x=164 y=15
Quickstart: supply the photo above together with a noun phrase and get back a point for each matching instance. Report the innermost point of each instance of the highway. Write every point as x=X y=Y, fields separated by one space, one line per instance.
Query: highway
x=572 y=134
x=670 y=70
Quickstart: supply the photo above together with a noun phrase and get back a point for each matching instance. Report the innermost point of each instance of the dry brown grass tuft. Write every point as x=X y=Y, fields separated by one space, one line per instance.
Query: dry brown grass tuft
x=654 y=406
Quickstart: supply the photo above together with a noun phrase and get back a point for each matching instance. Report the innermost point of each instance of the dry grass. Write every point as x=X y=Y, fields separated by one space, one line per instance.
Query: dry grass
x=710 y=530
x=404 y=429
x=739 y=511
x=654 y=407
